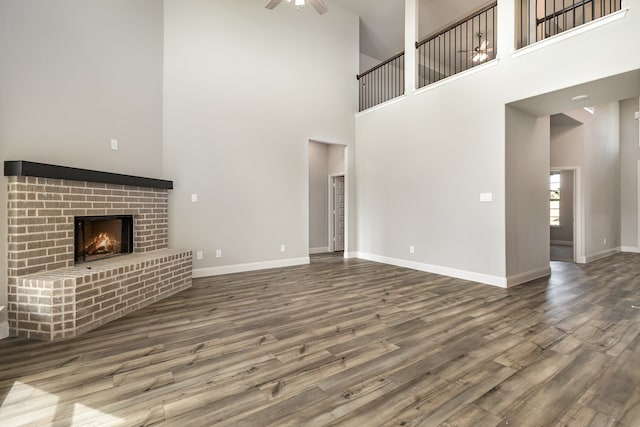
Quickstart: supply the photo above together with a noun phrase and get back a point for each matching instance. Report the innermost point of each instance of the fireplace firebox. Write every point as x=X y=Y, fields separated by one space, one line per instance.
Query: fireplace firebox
x=98 y=237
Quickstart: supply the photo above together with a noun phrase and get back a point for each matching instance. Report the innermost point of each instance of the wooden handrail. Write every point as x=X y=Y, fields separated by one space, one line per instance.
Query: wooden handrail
x=382 y=64
x=455 y=24
x=563 y=11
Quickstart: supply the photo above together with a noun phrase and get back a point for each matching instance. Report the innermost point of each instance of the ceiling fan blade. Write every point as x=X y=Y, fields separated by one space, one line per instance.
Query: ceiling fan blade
x=319 y=6
x=273 y=3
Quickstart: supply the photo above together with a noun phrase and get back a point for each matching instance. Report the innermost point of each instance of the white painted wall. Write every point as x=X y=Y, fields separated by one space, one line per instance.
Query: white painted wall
x=74 y=75
x=318 y=197
x=367 y=62
x=567 y=151
x=594 y=147
x=568 y=144
x=245 y=90
x=423 y=161
x=629 y=157
x=527 y=196
x=336 y=161
x=438 y=14
x=602 y=181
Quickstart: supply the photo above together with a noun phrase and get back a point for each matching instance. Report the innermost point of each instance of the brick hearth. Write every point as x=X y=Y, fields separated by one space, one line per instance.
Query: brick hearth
x=50 y=297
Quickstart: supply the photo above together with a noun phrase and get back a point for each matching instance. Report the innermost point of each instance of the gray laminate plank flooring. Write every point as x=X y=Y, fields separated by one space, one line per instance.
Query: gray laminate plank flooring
x=348 y=342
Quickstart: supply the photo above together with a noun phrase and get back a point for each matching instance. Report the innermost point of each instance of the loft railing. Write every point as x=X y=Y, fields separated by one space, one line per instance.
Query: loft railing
x=539 y=19
x=381 y=83
x=462 y=45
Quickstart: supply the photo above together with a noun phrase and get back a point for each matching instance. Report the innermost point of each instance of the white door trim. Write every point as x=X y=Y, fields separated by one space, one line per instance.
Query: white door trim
x=330 y=214
x=579 y=252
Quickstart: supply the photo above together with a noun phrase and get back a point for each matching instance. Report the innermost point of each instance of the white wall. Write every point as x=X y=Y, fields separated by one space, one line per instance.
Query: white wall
x=629 y=157
x=245 y=90
x=567 y=151
x=424 y=160
x=527 y=196
x=75 y=74
x=367 y=62
x=602 y=181
x=567 y=144
x=594 y=147
x=336 y=160
x=318 y=197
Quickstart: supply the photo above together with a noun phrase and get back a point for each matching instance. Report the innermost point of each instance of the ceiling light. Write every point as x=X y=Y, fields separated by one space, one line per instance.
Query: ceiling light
x=579 y=98
x=481 y=56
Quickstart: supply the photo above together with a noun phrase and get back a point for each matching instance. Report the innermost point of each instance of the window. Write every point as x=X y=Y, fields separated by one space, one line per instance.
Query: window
x=554 y=199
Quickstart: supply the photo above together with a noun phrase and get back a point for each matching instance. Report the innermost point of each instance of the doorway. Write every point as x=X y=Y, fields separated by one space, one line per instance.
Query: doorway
x=328 y=207
x=562 y=222
x=336 y=213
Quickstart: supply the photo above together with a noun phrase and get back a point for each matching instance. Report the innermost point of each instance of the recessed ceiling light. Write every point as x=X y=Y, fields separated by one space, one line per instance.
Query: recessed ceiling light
x=579 y=98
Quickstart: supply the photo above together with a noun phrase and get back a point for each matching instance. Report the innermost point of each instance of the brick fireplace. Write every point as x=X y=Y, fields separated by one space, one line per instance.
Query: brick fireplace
x=50 y=296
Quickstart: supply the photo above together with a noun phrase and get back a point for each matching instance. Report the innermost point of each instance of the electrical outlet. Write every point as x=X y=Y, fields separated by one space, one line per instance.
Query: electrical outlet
x=412 y=250
x=282 y=248
x=114 y=144
x=218 y=253
x=199 y=255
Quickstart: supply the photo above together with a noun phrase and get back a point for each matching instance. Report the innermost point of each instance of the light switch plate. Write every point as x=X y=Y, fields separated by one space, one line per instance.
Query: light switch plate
x=194 y=198
x=486 y=197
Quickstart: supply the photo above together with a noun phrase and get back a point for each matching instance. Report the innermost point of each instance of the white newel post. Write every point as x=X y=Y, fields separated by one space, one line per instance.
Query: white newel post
x=410 y=37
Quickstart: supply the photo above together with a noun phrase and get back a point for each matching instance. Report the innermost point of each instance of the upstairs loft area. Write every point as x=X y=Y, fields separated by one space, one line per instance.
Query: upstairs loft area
x=472 y=41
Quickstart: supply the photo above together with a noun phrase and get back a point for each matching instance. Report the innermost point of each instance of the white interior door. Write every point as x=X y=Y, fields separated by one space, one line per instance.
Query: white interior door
x=338 y=213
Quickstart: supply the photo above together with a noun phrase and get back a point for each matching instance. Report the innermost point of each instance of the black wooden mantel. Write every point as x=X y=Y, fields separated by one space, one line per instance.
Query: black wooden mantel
x=43 y=170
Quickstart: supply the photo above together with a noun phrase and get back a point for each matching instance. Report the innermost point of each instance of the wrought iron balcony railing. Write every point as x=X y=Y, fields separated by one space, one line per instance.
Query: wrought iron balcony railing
x=462 y=45
x=540 y=19
x=381 y=83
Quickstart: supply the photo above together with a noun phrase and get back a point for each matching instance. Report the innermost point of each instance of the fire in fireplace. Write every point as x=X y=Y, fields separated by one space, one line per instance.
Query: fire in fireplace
x=98 y=237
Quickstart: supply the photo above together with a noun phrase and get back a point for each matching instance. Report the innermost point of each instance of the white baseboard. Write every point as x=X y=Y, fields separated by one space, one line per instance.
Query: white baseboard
x=603 y=254
x=562 y=242
x=322 y=250
x=4 y=330
x=351 y=254
x=241 y=268
x=528 y=276
x=632 y=249
x=444 y=271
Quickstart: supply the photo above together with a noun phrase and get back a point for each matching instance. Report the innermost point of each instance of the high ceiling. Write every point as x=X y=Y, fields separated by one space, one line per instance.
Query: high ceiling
x=382 y=21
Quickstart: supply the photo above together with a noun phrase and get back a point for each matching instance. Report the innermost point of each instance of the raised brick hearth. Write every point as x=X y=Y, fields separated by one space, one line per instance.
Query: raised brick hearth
x=52 y=298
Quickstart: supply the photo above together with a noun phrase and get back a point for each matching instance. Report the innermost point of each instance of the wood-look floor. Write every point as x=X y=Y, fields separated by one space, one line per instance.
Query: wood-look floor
x=348 y=342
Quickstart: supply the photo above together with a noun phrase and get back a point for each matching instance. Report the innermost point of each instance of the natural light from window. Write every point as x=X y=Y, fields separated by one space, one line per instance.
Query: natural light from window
x=41 y=408
x=554 y=199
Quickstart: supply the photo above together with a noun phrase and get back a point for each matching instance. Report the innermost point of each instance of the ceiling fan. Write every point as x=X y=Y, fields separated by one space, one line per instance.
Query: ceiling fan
x=480 y=52
x=318 y=5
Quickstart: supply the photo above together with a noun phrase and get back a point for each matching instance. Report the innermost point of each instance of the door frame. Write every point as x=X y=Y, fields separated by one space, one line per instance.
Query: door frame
x=331 y=204
x=579 y=256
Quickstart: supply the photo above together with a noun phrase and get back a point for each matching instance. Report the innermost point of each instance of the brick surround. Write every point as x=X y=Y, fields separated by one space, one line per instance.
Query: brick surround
x=51 y=298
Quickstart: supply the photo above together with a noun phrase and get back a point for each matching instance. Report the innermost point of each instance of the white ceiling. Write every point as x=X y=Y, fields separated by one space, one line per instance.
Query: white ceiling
x=614 y=88
x=382 y=21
